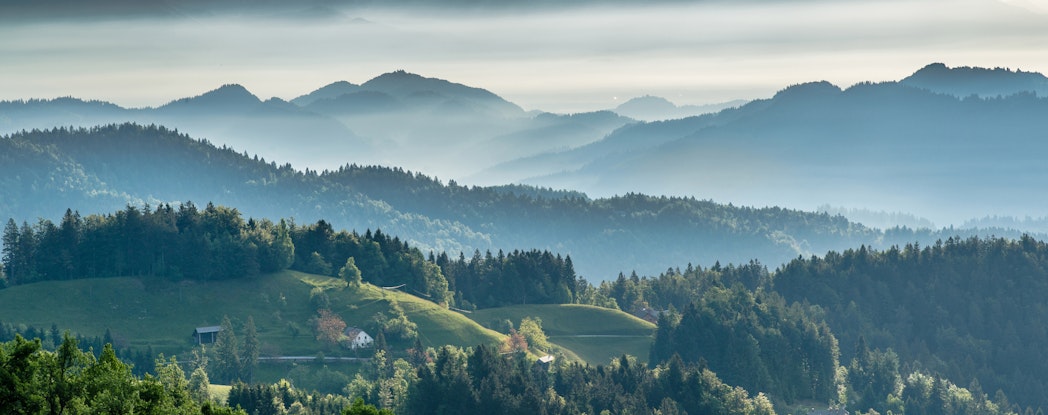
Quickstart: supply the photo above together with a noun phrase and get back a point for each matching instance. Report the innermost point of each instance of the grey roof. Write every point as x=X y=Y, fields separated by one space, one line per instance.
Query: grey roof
x=208 y=329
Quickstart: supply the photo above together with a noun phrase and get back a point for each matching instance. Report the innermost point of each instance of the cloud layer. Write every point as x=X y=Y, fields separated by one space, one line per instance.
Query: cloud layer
x=567 y=60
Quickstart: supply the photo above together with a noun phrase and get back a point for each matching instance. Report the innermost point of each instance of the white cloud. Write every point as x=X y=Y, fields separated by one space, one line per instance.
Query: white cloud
x=567 y=60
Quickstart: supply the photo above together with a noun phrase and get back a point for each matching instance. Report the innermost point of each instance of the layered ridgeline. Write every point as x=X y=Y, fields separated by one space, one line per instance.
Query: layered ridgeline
x=104 y=169
x=947 y=144
x=774 y=333
x=397 y=118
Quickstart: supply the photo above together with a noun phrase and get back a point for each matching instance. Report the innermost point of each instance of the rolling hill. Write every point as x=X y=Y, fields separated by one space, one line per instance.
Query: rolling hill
x=596 y=335
x=141 y=312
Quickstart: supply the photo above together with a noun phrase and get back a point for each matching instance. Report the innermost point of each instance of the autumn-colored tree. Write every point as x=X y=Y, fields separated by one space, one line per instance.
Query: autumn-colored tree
x=515 y=343
x=329 y=327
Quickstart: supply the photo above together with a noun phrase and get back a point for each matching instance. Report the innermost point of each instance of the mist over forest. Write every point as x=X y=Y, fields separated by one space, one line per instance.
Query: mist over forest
x=552 y=207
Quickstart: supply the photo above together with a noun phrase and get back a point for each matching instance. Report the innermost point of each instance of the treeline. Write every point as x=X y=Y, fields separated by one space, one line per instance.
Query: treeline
x=142 y=361
x=963 y=308
x=216 y=243
x=381 y=259
x=182 y=243
x=483 y=381
x=873 y=384
x=751 y=337
x=282 y=398
x=776 y=332
x=521 y=277
x=755 y=341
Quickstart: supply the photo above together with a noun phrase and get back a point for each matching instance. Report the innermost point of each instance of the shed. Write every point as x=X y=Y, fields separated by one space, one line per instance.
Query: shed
x=546 y=361
x=206 y=335
x=648 y=314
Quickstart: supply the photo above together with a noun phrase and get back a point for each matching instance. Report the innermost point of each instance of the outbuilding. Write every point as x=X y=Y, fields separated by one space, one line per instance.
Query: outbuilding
x=206 y=335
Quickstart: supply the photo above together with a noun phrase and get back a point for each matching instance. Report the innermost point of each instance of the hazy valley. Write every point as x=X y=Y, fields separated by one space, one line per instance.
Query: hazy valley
x=413 y=245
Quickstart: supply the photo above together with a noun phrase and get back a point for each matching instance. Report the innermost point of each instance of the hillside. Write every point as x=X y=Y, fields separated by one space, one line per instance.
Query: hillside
x=596 y=335
x=965 y=308
x=148 y=312
x=104 y=169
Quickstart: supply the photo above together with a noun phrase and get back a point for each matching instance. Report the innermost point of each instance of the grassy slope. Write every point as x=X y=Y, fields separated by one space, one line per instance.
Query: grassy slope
x=141 y=312
x=595 y=334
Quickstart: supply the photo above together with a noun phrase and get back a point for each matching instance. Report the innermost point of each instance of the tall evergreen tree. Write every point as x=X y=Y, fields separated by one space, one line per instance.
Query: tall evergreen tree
x=10 y=248
x=226 y=364
x=251 y=350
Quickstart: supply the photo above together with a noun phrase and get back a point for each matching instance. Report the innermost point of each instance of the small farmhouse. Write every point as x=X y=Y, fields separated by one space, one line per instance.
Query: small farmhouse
x=206 y=335
x=354 y=338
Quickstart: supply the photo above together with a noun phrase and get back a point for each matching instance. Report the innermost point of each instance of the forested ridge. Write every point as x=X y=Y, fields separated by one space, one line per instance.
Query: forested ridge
x=890 y=329
x=965 y=308
x=104 y=169
x=912 y=322
x=216 y=243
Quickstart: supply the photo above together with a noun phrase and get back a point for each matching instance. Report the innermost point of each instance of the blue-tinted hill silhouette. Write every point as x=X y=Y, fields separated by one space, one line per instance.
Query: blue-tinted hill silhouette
x=890 y=146
x=652 y=108
x=398 y=118
x=965 y=81
x=104 y=169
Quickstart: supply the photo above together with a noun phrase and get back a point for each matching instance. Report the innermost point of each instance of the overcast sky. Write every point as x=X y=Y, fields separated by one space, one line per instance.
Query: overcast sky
x=556 y=60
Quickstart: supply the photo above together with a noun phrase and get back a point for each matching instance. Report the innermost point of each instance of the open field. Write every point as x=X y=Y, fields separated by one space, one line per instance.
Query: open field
x=141 y=312
x=596 y=335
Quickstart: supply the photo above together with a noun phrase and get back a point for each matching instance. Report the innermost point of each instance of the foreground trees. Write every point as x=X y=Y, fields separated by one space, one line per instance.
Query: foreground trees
x=71 y=381
x=483 y=381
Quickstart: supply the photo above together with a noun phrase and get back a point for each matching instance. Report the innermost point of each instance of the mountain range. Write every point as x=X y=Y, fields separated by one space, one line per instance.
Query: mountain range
x=397 y=118
x=889 y=145
x=928 y=145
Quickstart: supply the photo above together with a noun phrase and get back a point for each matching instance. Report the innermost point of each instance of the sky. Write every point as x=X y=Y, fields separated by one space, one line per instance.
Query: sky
x=554 y=59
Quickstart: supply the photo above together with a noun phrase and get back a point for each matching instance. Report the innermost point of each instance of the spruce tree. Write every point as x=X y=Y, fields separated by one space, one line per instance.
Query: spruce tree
x=227 y=353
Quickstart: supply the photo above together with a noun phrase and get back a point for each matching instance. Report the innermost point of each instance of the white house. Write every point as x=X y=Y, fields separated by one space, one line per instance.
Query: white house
x=353 y=338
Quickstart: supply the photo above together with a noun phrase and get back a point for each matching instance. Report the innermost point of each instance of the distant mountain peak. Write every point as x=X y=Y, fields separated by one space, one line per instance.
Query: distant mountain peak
x=964 y=81
x=231 y=90
x=403 y=84
x=648 y=102
x=225 y=95
x=816 y=89
x=329 y=91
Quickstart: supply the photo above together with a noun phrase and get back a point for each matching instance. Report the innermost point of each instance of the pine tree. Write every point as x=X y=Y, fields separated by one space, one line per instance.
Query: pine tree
x=251 y=350
x=227 y=353
x=8 y=256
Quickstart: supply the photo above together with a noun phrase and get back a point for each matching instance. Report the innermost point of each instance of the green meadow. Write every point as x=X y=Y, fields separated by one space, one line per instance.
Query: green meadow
x=141 y=312
x=593 y=334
